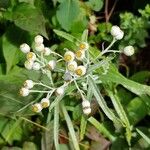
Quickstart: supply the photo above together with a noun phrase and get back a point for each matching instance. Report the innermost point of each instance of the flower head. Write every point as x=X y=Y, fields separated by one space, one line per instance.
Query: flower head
x=60 y=91
x=69 y=56
x=80 y=71
x=45 y=103
x=117 y=33
x=31 y=56
x=28 y=84
x=84 y=46
x=51 y=64
x=25 y=48
x=86 y=107
x=47 y=51
x=39 y=47
x=28 y=64
x=36 y=107
x=128 y=50
x=24 y=92
x=38 y=39
x=72 y=66
x=36 y=66
x=80 y=54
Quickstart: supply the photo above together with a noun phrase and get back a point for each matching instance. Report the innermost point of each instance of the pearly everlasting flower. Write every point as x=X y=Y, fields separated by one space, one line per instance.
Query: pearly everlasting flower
x=117 y=33
x=84 y=46
x=39 y=47
x=60 y=91
x=31 y=56
x=45 y=103
x=24 y=92
x=69 y=56
x=72 y=66
x=51 y=64
x=86 y=107
x=28 y=64
x=80 y=54
x=80 y=71
x=47 y=51
x=38 y=39
x=36 y=107
x=128 y=50
x=25 y=48
x=36 y=66
x=28 y=84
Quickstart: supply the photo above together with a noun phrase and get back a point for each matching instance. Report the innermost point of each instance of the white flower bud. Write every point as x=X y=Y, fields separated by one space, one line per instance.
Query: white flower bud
x=69 y=56
x=86 y=107
x=51 y=64
x=80 y=54
x=28 y=64
x=28 y=84
x=38 y=39
x=72 y=66
x=117 y=33
x=128 y=50
x=24 y=92
x=47 y=51
x=36 y=107
x=36 y=66
x=31 y=56
x=39 y=47
x=45 y=103
x=84 y=46
x=25 y=48
x=87 y=111
x=60 y=91
x=80 y=71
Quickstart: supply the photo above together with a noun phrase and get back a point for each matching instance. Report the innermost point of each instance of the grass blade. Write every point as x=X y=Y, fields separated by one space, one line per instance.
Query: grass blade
x=145 y=137
x=70 y=127
x=101 y=129
x=121 y=113
x=56 y=127
x=102 y=102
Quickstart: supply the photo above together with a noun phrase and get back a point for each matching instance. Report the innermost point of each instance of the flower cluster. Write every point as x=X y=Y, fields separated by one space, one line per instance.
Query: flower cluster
x=76 y=65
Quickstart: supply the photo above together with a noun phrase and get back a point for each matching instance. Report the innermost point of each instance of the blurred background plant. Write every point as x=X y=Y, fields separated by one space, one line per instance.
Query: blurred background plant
x=21 y=20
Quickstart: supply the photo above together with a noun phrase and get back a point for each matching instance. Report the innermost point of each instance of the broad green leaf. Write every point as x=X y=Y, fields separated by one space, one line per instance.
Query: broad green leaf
x=67 y=12
x=11 y=53
x=141 y=76
x=96 y=5
x=70 y=127
x=136 y=110
x=29 y=18
x=12 y=148
x=12 y=131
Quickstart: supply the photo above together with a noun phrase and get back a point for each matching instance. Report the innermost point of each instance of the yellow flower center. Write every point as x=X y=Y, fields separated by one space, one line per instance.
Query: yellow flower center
x=82 y=46
x=67 y=58
x=25 y=84
x=71 y=67
x=30 y=55
x=35 y=109
x=45 y=105
x=79 y=72
x=78 y=53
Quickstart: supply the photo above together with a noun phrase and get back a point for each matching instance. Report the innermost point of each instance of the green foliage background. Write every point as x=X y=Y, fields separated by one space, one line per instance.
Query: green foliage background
x=20 y=128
